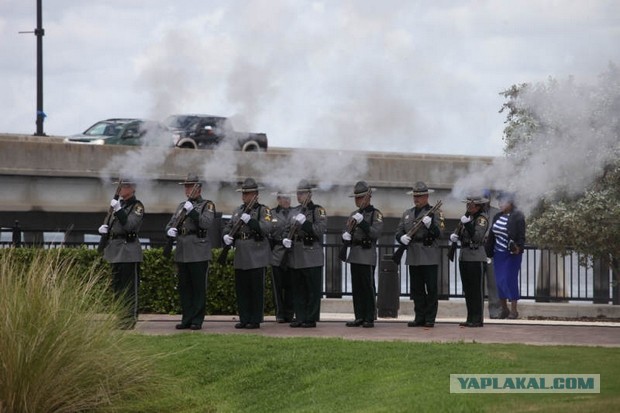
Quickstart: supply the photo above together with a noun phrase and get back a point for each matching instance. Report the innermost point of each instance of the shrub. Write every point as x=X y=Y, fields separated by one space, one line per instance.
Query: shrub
x=158 y=282
x=61 y=348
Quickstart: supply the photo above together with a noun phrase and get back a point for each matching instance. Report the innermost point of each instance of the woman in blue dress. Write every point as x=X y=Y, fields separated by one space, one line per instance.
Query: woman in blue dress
x=505 y=245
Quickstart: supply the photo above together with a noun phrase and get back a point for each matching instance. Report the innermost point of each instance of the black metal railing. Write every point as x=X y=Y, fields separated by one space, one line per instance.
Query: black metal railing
x=544 y=276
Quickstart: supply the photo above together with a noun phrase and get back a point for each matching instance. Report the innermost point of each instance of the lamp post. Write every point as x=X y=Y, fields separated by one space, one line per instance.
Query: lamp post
x=39 y=32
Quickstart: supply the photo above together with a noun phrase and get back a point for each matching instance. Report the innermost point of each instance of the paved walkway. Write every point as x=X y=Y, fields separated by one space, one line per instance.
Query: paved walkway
x=537 y=332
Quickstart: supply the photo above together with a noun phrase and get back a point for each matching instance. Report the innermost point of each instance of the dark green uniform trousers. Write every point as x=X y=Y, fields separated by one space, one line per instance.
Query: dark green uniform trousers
x=125 y=283
x=471 y=277
x=364 y=293
x=193 y=291
x=424 y=292
x=307 y=293
x=283 y=293
x=250 y=289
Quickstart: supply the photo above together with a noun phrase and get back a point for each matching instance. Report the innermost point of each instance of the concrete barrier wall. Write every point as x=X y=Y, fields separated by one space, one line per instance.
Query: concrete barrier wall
x=47 y=174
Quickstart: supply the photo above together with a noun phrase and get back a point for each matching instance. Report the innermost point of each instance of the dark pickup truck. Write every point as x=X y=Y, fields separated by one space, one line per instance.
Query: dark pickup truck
x=209 y=132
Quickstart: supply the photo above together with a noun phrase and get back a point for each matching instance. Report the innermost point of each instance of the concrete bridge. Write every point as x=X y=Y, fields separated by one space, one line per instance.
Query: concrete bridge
x=51 y=185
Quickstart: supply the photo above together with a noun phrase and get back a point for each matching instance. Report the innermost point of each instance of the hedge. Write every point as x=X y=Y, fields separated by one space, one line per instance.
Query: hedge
x=158 y=281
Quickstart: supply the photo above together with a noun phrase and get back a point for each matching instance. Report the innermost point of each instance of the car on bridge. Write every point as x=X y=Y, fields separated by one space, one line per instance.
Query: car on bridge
x=124 y=131
x=209 y=132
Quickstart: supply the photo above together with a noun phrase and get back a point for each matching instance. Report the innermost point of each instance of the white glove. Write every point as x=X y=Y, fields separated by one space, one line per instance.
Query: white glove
x=115 y=204
x=172 y=232
x=228 y=240
x=287 y=243
x=188 y=206
x=301 y=218
x=465 y=219
x=427 y=221
x=103 y=229
x=405 y=239
x=346 y=236
x=489 y=260
x=358 y=217
x=245 y=217
x=454 y=237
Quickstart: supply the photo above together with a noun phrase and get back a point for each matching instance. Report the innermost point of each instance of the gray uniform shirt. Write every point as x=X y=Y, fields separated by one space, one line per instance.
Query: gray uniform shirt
x=252 y=248
x=123 y=244
x=280 y=218
x=363 y=248
x=472 y=238
x=307 y=249
x=423 y=248
x=193 y=243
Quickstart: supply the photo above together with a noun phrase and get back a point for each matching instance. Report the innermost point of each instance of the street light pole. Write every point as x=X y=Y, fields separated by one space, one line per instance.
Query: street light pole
x=40 y=32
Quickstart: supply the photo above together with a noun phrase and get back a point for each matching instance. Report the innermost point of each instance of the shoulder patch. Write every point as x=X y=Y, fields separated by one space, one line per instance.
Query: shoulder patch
x=139 y=209
x=378 y=216
x=267 y=214
x=322 y=212
x=482 y=221
x=210 y=206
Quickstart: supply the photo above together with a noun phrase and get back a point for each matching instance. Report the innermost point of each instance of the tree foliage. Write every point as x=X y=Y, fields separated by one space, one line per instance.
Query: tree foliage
x=579 y=127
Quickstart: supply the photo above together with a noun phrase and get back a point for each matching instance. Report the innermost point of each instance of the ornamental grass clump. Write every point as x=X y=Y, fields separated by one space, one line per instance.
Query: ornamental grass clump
x=61 y=349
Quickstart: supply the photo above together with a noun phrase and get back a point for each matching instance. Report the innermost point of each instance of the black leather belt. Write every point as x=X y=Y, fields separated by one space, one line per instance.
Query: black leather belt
x=185 y=231
x=244 y=236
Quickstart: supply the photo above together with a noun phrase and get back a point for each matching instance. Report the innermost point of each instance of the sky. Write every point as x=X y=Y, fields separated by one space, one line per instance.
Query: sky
x=394 y=76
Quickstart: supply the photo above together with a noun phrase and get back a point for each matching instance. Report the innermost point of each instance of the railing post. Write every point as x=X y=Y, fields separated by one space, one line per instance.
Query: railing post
x=600 y=280
x=16 y=235
x=443 y=275
x=333 y=268
x=388 y=296
x=550 y=279
x=615 y=281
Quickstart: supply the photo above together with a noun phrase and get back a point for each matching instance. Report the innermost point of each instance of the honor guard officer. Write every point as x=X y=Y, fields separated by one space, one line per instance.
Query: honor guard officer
x=252 y=254
x=423 y=255
x=193 y=251
x=473 y=258
x=306 y=257
x=363 y=229
x=282 y=277
x=123 y=250
x=494 y=305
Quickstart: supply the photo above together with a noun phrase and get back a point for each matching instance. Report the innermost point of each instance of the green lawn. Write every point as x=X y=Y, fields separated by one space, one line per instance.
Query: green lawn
x=245 y=373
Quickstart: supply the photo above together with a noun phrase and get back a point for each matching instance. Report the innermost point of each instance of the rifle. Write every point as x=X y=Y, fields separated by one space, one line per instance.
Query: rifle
x=180 y=219
x=458 y=231
x=233 y=231
x=351 y=224
x=291 y=233
x=416 y=226
x=103 y=241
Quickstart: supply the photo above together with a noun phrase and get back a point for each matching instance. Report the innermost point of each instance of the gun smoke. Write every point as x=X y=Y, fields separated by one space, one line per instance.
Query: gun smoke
x=577 y=135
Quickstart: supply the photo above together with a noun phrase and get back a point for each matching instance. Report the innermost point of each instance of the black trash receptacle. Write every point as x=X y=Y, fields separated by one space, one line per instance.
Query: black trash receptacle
x=388 y=297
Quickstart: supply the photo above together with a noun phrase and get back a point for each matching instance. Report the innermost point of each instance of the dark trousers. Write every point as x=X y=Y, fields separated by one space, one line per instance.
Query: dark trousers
x=424 y=292
x=250 y=286
x=193 y=291
x=364 y=293
x=125 y=283
x=307 y=293
x=282 y=280
x=471 y=278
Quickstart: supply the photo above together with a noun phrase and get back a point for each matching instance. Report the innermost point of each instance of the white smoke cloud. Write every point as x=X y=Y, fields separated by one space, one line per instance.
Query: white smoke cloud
x=577 y=135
